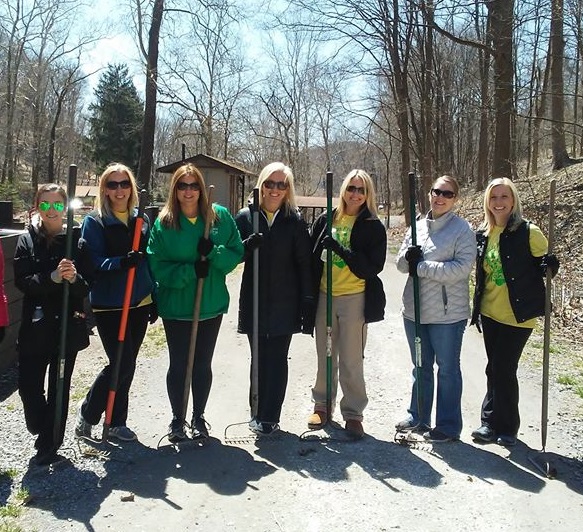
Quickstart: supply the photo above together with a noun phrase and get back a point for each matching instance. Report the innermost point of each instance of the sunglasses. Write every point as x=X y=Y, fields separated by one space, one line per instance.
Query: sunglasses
x=358 y=190
x=279 y=185
x=114 y=185
x=181 y=185
x=44 y=206
x=448 y=194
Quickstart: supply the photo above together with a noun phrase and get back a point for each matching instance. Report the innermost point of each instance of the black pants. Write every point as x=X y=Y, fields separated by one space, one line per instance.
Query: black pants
x=273 y=371
x=108 y=327
x=39 y=410
x=504 y=345
x=178 y=339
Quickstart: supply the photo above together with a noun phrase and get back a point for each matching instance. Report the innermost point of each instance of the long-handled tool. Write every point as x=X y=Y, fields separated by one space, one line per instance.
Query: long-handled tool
x=329 y=180
x=255 y=332
x=400 y=437
x=332 y=430
x=61 y=358
x=124 y=318
x=546 y=468
x=196 y=315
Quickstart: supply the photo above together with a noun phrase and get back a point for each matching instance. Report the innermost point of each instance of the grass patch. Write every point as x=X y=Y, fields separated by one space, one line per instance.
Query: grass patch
x=154 y=342
x=10 y=510
x=9 y=527
x=567 y=380
x=11 y=473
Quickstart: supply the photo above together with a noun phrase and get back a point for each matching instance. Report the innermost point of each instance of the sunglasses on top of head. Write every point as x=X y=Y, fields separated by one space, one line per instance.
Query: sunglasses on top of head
x=181 y=185
x=448 y=194
x=279 y=185
x=44 y=206
x=358 y=190
x=114 y=185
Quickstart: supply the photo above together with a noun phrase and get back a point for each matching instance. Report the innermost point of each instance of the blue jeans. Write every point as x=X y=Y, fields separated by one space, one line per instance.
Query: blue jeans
x=441 y=343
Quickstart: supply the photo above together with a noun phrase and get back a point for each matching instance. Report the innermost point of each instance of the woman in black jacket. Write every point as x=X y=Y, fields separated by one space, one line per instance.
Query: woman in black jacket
x=359 y=246
x=40 y=270
x=285 y=298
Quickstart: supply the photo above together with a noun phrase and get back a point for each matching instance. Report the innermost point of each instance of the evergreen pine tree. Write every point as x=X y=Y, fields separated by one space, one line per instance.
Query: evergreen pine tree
x=116 y=120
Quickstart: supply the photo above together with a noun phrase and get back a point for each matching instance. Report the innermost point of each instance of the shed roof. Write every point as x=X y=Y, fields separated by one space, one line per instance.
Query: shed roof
x=85 y=191
x=205 y=161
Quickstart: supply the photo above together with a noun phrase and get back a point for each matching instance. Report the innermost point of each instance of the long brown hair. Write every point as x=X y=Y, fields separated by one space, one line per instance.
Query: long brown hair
x=170 y=214
x=42 y=189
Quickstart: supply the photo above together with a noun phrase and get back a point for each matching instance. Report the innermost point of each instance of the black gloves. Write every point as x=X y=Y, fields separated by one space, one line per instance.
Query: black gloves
x=201 y=268
x=253 y=242
x=153 y=312
x=308 y=315
x=550 y=261
x=413 y=256
x=132 y=259
x=205 y=246
x=2 y=333
x=333 y=245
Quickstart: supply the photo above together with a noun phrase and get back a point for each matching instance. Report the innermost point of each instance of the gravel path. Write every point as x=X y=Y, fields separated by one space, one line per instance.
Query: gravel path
x=291 y=485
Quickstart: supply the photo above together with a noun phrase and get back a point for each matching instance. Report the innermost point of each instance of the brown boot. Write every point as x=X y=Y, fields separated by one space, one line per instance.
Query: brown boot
x=354 y=428
x=317 y=420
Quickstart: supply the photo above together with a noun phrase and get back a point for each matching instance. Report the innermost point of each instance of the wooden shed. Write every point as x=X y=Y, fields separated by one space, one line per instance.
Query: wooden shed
x=228 y=178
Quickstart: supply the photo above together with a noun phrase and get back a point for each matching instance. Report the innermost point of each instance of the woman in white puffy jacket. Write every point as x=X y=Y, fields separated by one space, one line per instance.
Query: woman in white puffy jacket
x=442 y=260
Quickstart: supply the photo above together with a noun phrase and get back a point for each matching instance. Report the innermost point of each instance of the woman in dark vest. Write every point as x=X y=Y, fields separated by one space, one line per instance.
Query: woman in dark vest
x=510 y=293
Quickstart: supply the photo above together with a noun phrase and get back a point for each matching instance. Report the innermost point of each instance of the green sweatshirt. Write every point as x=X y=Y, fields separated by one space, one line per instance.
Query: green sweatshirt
x=172 y=254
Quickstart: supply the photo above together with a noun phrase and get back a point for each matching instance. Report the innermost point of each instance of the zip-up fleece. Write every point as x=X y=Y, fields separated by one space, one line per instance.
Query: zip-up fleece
x=449 y=252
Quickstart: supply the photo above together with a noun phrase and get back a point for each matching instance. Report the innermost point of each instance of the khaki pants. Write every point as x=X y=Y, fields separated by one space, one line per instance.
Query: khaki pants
x=348 y=342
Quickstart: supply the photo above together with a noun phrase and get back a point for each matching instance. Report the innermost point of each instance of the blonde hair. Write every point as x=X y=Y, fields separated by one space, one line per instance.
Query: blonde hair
x=289 y=203
x=515 y=218
x=369 y=192
x=102 y=203
x=170 y=214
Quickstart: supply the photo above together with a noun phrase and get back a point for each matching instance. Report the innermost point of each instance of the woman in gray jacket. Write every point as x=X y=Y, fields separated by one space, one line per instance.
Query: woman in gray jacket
x=443 y=261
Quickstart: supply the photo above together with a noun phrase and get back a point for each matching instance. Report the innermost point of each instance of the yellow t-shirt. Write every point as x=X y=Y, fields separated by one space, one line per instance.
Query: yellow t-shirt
x=343 y=280
x=496 y=301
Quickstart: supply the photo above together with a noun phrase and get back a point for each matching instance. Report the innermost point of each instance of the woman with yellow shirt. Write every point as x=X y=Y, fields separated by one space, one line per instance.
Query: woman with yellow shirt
x=359 y=246
x=510 y=293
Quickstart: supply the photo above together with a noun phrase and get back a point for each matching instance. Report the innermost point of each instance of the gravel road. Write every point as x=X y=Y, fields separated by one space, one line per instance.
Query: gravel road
x=234 y=483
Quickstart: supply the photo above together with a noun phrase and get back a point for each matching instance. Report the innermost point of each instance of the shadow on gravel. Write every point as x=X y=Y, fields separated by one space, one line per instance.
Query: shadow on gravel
x=329 y=461
x=143 y=471
x=569 y=471
x=224 y=469
x=5 y=487
x=516 y=469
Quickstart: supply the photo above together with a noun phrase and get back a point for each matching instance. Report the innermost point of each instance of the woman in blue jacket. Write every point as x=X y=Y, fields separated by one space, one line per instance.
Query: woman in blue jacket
x=108 y=232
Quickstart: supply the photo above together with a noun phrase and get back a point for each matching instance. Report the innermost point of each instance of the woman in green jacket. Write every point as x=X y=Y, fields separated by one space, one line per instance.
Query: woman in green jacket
x=176 y=246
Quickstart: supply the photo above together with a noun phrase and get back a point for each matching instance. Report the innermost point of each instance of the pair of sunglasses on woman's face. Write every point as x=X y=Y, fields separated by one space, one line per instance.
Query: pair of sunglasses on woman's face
x=447 y=194
x=114 y=185
x=44 y=206
x=271 y=185
x=359 y=190
x=181 y=185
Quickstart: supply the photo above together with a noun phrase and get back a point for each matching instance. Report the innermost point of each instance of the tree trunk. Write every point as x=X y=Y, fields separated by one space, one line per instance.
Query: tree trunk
x=149 y=126
x=561 y=158
x=501 y=18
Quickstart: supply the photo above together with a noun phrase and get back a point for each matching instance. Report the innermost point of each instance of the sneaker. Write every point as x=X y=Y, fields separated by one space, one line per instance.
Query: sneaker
x=176 y=431
x=82 y=427
x=199 y=428
x=436 y=436
x=122 y=433
x=484 y=434
x=263 y=428
x=47 y=457
x=317 y=420
x=409 y=424
x=505 y=440
x=354 y=428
